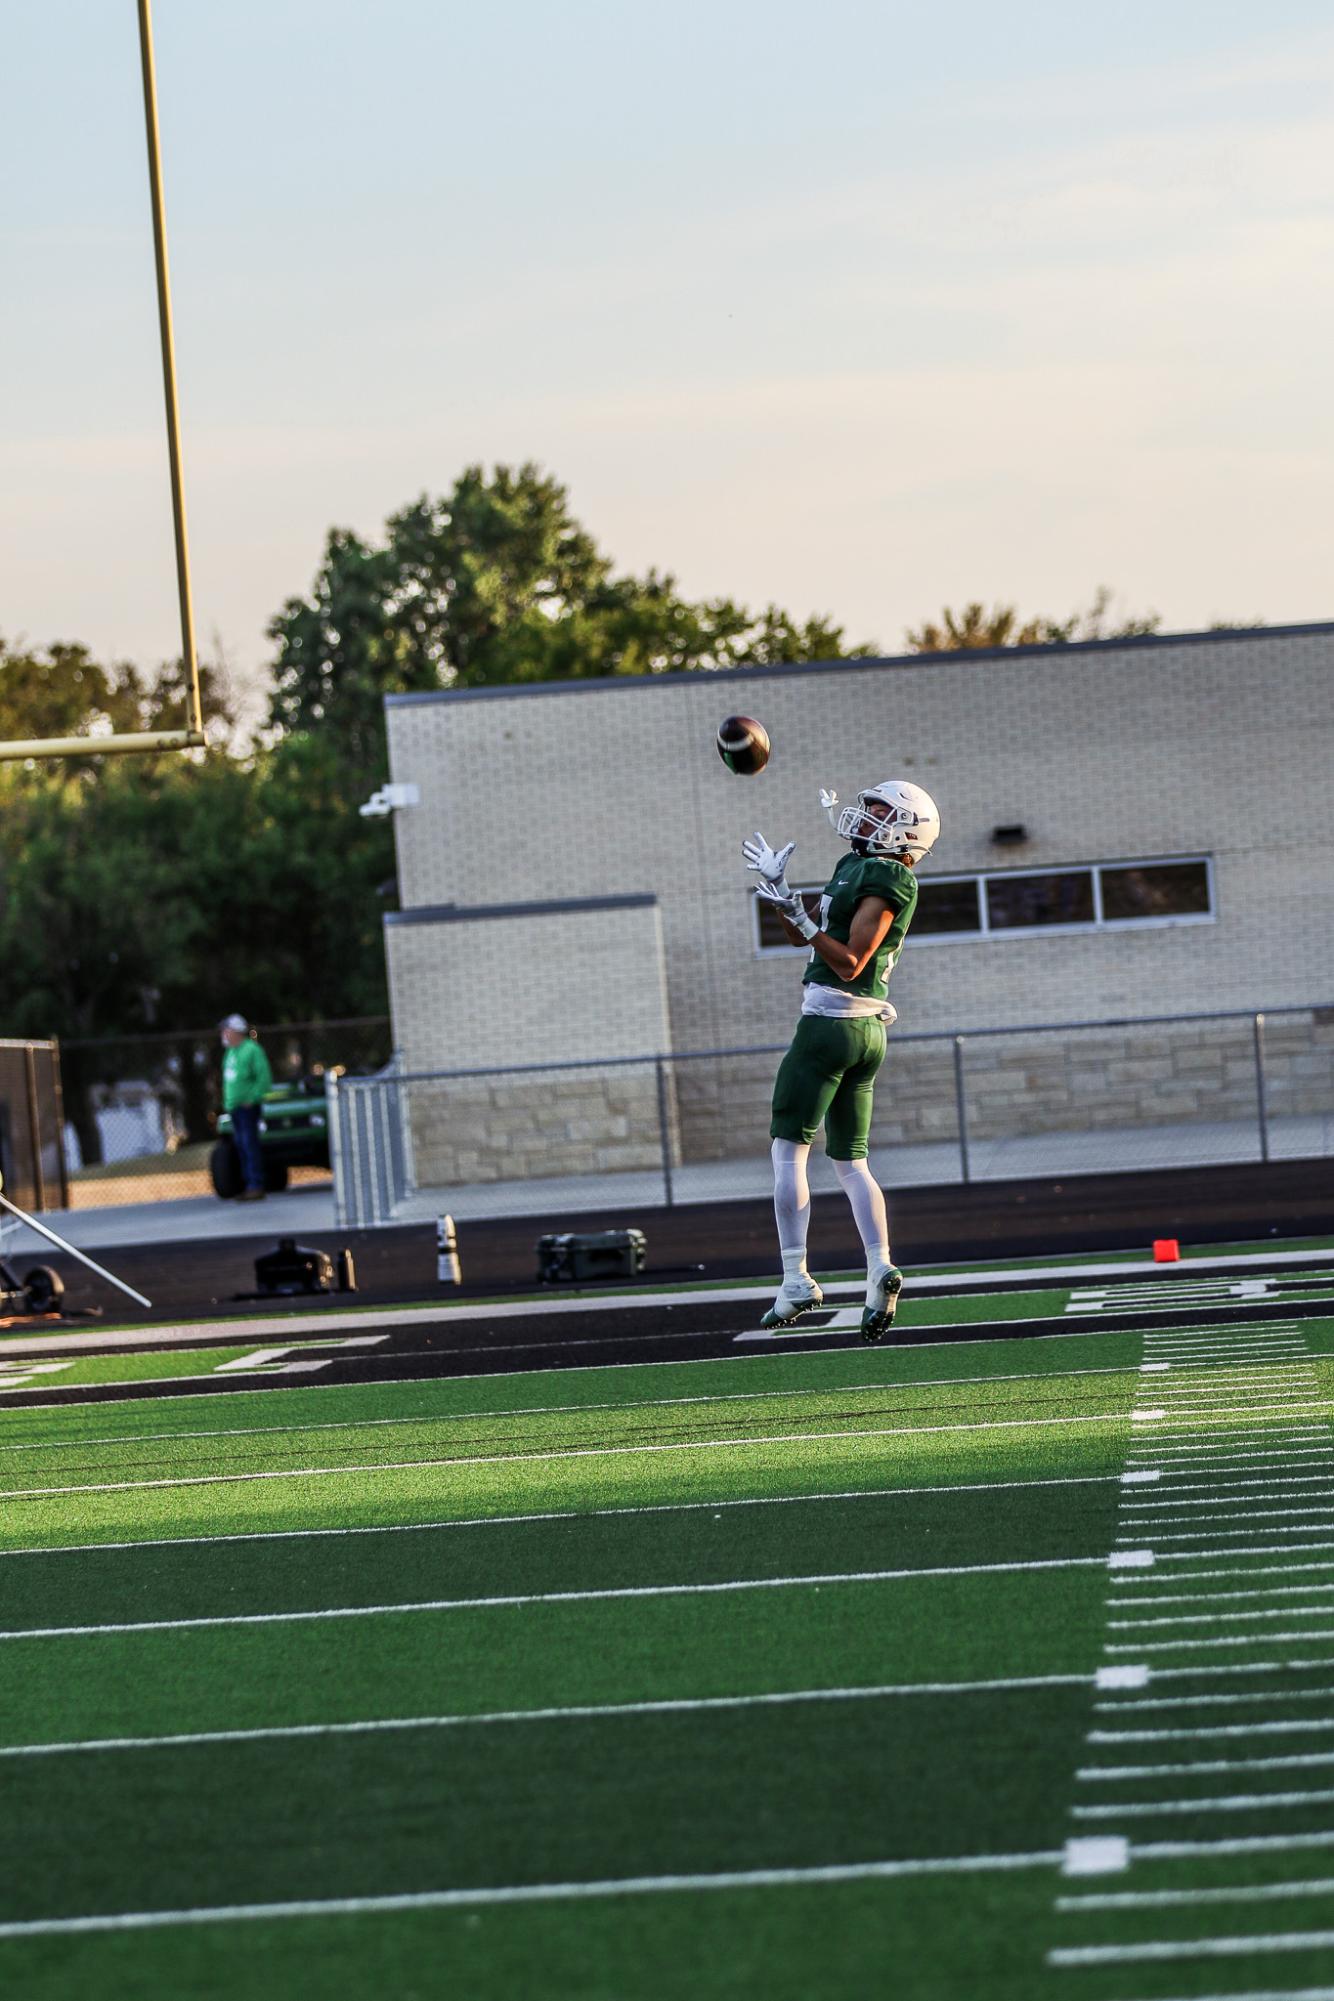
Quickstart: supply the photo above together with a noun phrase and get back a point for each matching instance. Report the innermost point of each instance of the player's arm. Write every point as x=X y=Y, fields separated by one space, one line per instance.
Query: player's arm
x=870 y=924
x=867 y=933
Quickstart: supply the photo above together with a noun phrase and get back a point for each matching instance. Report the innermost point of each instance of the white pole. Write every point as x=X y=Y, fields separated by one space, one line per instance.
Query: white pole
x=51 y=1237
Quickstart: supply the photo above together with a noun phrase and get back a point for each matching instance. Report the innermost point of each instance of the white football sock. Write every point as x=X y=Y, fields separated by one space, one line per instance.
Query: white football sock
x=868 y=1210
x=792 y=1204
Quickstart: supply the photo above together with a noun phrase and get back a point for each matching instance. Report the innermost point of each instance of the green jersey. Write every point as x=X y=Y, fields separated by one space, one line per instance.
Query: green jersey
x=246 y=1075
x=858 y=876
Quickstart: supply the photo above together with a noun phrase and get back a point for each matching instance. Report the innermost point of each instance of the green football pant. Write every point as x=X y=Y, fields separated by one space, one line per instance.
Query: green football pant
x=827 y=1079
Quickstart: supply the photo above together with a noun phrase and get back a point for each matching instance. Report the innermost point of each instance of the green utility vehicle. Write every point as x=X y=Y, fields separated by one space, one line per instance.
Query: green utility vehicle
x=293 y=1132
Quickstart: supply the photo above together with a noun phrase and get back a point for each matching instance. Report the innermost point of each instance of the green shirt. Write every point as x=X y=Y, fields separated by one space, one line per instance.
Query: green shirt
x=246 y=1075
x=858 y=876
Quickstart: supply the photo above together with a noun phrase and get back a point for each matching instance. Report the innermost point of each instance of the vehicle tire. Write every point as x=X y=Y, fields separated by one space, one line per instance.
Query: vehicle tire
x=43 y=1289
x=224 y=1168
x=275 y=1176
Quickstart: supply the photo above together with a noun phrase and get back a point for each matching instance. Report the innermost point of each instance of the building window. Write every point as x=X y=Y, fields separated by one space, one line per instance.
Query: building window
x=1097 y=896
x=1148 y=890
x=770 y=935
x=1024 y=902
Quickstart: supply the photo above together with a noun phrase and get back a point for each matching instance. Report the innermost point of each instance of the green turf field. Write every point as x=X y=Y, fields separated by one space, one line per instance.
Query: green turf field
x=982 y=1669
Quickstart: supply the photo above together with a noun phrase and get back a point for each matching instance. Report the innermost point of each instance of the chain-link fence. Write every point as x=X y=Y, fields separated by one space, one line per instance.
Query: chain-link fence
x=141 y=1114
x=992 y=1104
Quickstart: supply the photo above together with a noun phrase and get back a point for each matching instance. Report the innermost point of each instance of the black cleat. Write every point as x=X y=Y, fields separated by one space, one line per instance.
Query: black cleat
x=879 y=1318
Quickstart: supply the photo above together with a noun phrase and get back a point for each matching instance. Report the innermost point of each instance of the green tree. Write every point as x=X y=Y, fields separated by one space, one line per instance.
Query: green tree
x=975 y=627
x=496 y=583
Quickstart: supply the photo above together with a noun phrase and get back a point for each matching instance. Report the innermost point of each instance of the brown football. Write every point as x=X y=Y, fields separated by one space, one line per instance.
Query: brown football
x=743 y=745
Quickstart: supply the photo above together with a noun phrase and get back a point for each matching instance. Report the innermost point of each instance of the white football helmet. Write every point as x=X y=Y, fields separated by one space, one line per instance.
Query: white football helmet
x=909 y=826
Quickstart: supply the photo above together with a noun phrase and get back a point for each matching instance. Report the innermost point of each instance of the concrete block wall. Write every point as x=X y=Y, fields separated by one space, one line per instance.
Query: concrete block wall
x=1217 y=744
x=492 y=987
x=496 y=988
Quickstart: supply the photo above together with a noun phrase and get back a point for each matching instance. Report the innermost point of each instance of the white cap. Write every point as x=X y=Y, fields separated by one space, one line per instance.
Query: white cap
x=236 y=1021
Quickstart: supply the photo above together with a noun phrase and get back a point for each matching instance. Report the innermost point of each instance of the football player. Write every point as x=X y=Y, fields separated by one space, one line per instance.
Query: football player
x=828 y=1075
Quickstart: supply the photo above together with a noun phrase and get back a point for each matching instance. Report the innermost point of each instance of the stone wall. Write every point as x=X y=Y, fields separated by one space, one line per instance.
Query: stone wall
x=468 y=1130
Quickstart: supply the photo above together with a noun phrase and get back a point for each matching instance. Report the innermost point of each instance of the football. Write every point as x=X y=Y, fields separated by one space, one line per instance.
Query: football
x=743 y=745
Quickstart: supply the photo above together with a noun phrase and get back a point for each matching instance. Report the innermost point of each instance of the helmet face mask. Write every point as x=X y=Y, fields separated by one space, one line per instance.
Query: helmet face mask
x=895 y=819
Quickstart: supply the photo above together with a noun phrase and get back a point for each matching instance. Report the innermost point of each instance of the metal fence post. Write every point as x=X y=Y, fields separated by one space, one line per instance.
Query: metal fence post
x=664 y=1132
x=1261 y=1106
x=961 y=1109
x=35 y=1128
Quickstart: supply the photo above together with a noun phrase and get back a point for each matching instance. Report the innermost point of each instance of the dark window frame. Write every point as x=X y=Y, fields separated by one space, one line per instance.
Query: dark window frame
x=986 y=933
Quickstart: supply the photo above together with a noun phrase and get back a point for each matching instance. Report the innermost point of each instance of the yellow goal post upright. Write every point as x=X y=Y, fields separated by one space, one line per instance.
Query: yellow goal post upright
x=192 y=736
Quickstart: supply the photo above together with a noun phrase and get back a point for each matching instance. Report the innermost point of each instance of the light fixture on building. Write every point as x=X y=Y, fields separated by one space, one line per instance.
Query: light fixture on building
x=1004 y=837
x=388 y=799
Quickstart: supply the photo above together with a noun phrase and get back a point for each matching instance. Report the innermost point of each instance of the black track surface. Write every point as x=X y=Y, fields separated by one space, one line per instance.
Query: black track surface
x=723 y=1240
x=611 y=1337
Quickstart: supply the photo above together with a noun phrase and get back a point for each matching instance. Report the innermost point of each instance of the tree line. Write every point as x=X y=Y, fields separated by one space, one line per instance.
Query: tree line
x=161 y=892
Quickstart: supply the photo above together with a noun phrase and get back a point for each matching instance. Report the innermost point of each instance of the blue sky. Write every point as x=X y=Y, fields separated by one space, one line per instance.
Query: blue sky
x=859 y=309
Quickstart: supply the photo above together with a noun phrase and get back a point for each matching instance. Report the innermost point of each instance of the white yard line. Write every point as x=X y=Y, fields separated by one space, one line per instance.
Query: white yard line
x=1149 y=1900
x=1195 y=1646
x=1158 y=1951
x=485 y=1719
x=1219 y=1618
x=1254 y=1695
x=529 y=1893
x=572 y=1452
x=1270 y=1727
x=1245 y=1568
x=1205 y=1767
x=1285 y=1482
x=1206 y=1804
x=895 y=1389
x=506 y=1600
x=1221 y=1597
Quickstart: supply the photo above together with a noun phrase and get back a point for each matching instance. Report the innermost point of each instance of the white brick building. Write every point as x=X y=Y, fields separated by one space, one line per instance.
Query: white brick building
x=572 y=886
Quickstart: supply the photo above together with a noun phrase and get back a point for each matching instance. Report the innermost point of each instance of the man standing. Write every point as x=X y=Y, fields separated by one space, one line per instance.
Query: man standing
x=246 y=1077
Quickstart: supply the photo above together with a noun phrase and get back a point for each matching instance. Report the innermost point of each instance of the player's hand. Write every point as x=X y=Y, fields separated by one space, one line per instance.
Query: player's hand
x=789 y=905
x=828 y=801
x=768 y=863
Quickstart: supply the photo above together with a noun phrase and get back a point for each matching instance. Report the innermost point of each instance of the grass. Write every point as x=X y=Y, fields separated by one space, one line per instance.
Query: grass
x=697 y=1630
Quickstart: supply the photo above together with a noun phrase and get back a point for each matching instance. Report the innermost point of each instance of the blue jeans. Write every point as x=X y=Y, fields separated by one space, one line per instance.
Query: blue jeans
x=245 y=1131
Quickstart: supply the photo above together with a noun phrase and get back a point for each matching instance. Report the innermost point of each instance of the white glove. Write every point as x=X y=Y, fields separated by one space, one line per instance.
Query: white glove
x=770 y=866
x=829 y=801
x=789 y=904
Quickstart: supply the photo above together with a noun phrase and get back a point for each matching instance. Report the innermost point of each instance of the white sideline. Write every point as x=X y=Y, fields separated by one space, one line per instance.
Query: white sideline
x=592 y=1595
x=674 y=1706
x=531 y=1893
x=569 y=1452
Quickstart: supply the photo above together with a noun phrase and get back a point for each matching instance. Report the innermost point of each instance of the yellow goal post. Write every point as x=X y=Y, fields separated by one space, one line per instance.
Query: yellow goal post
x=129 y=742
